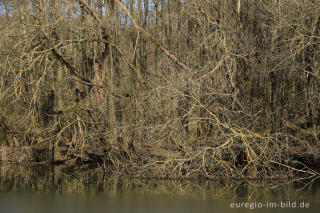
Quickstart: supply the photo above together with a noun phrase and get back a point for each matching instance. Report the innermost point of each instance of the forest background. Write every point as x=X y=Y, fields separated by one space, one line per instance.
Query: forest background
x=162 y=88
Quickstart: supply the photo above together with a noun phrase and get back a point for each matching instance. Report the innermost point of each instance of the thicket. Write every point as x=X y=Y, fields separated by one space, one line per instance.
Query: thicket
x=165 y=88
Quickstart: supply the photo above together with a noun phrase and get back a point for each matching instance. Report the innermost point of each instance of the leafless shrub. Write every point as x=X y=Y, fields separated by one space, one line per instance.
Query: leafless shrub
x=200 y=88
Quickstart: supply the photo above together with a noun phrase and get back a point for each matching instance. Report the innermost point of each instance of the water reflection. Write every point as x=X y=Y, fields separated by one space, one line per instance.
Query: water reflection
x=43 y=189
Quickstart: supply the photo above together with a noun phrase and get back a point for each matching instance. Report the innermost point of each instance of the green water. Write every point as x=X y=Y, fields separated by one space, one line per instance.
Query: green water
x=41 y=189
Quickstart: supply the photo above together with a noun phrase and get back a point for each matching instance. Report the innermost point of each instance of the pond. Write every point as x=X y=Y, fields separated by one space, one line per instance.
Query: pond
x=37 y=189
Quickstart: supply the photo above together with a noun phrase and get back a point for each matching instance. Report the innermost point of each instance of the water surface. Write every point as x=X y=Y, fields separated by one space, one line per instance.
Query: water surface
x=37 y=189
